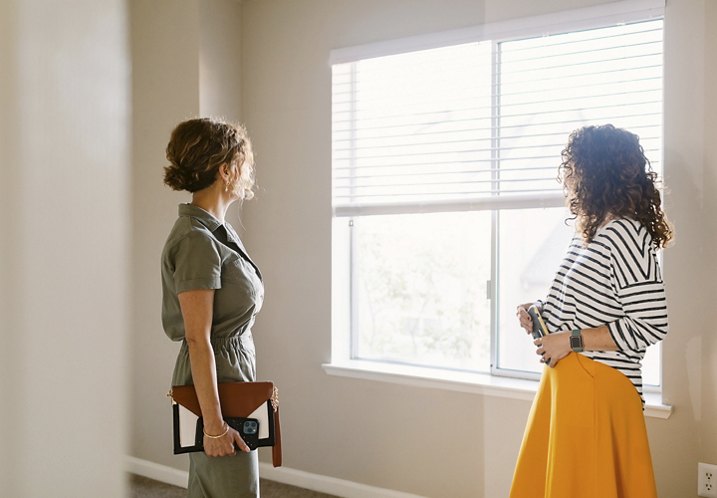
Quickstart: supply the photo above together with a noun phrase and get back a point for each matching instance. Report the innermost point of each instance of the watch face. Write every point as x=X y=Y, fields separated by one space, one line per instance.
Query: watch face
x=576 y=342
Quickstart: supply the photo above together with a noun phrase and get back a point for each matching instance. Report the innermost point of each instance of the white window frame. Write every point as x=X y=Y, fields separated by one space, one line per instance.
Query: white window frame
x=341 y=363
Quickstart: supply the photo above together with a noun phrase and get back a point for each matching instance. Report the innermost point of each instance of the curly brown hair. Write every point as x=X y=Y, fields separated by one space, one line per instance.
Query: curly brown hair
x=606 y=175
x=198 y=147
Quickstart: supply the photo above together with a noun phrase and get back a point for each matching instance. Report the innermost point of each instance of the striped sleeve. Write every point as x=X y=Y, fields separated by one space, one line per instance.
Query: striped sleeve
x=638 y=284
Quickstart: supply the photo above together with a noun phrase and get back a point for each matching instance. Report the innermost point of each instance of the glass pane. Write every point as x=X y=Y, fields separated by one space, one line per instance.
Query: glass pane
x=420 y=289
x=532 y=245
x=651 y=366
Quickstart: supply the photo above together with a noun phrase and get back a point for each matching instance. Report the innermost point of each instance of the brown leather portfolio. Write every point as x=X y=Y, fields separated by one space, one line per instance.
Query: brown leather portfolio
x=238 y=400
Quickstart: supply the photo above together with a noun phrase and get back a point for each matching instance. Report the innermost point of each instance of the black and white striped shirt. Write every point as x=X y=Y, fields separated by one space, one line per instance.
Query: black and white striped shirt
x=614 y=280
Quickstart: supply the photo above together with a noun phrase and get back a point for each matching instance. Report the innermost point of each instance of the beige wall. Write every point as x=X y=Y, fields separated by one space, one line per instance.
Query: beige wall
x=285 y=102
x=675 y=442
x=64 y=169
x=708 y=441
x=165 y=90
x=220 y=58
x=185 y=63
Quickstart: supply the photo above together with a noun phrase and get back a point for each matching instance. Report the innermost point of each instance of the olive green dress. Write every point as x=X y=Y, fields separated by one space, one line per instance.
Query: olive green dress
x=203 y=253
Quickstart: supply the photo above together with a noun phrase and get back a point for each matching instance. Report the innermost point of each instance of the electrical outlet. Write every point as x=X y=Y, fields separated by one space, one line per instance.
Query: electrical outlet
x=706 y=480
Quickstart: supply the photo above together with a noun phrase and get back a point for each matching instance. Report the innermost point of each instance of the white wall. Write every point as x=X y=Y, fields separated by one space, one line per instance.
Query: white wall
x=285 y=101
x=64 y=95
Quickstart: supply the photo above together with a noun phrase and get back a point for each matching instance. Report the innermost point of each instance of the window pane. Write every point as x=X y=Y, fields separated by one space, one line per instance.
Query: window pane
x=420 y=289
x=651 y=365
x=532 y=244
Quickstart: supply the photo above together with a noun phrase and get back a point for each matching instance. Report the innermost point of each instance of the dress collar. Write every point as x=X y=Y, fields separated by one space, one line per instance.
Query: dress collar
x=212 y=225
x=200 y=214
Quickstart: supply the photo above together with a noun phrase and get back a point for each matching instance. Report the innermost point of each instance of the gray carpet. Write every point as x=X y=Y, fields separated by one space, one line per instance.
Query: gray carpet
x=141 y=487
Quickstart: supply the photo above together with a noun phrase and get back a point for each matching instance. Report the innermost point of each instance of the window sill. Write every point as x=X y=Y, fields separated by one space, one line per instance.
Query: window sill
x=478 y=383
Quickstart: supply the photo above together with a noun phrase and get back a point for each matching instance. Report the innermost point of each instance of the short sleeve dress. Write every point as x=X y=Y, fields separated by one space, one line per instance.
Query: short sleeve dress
x=203 y=253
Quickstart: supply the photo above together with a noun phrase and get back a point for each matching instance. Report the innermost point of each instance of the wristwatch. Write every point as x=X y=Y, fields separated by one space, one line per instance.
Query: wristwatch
x=576 y=341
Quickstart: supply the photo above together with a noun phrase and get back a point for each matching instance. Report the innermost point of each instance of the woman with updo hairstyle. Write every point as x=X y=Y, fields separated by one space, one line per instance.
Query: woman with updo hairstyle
x=586 y=436
x=211 y=294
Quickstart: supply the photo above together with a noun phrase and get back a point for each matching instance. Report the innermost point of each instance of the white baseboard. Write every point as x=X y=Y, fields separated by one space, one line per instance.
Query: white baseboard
x=325 y=484
x=284 y=475
x=158 y=472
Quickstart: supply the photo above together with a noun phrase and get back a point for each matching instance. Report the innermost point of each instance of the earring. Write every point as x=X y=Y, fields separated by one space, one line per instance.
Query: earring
x=226 y=186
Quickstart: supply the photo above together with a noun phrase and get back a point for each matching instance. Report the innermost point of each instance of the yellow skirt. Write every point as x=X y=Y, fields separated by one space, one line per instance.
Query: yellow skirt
x=585 y=436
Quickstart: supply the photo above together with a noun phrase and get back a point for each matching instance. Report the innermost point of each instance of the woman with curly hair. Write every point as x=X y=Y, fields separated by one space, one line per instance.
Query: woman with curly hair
x=586 y=435
x=211 y=293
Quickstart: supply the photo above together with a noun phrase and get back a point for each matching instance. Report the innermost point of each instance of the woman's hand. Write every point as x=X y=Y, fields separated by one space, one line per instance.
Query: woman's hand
x=524 y=318
x=553 y=347
x=225 y=445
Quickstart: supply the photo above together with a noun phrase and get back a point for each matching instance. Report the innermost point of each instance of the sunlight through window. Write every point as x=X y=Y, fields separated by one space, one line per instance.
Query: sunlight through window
x=445 y=184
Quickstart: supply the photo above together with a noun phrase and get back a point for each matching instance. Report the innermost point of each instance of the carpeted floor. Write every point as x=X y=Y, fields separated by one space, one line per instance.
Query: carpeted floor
x=141 y=487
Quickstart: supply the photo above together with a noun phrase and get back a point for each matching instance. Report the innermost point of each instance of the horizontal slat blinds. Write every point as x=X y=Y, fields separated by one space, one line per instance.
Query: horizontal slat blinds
x=481 y=125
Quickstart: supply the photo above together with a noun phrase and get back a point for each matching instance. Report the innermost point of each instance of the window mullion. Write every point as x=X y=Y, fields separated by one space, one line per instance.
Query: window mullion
x=495 y=167
x=353 y=291
x=353 y=270
x=352 y=133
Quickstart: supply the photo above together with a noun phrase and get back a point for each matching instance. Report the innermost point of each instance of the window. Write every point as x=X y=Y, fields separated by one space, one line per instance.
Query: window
x=447 y=210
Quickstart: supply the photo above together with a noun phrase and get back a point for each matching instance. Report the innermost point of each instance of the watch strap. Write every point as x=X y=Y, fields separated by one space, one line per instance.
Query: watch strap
x=576 y=341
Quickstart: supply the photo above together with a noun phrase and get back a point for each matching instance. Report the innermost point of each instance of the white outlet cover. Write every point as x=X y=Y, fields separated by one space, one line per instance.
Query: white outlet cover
x=706 y=480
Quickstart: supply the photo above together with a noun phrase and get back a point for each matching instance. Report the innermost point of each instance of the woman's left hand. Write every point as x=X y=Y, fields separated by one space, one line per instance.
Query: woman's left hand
x=553 y=347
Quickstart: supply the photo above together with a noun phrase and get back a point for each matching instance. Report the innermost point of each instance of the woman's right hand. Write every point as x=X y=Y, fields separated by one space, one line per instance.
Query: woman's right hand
x=524 y=318
x=225 y=445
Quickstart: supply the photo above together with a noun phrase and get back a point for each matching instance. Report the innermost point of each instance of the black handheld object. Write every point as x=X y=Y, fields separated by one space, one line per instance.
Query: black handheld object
x=248 y=429
x=539 y=327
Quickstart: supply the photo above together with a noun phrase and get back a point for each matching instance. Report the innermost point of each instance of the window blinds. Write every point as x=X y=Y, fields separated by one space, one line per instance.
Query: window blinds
x=481 y=125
